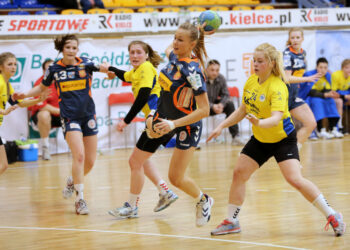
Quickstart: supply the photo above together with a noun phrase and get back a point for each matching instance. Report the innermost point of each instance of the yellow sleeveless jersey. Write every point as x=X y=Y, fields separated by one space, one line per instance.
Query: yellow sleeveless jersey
x=261 y=100
x=339 y=82
x=322 y=84
x=145 y=76
x=4 y=95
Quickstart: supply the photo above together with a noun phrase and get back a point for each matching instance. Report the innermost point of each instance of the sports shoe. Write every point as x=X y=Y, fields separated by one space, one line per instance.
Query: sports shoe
x=165 y=200
x=124 y=212
x=68 y=191
x=336 y=221
x=336 y=133
x=81 y=207
x=227 y=227
x=325 y=135
x=313 y=136
x=46 y=153
x=238 y=141
x=203 y=208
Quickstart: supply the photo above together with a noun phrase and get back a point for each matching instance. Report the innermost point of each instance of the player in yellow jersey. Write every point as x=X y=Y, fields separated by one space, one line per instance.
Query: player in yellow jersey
x=146 y=89
x=341 y=84
x=265 y=105
x=8 y=67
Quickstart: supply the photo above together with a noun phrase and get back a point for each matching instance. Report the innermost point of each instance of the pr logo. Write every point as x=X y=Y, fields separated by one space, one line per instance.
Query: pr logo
x=19 y=73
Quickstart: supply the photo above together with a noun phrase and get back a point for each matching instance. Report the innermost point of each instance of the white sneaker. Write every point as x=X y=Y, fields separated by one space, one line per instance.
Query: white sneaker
x=46 y=153
x=165 y=200
x=81 y=207
x=68 y=190
x=124 y=212
x=336 y=133
x=325 y=135
x=203 y=208
x=238 y=141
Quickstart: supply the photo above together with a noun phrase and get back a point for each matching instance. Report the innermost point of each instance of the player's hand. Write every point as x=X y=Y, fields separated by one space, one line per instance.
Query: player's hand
x=253 y=119
x=9 y=110
x=164 y=127
x=18 y=96
x=207 y=32
x=104 y=67
x=121 y=125
x=110 y=75
x=215 y=133
x=149 y=130
x=315 y=77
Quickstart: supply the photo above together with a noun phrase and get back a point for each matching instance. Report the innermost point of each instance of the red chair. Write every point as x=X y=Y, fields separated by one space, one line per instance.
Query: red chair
x=118 y=99
x=234 y=93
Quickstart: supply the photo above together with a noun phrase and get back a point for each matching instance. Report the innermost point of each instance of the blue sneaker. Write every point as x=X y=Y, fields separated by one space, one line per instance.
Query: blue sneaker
x=313 y=136
x=165 y=200
x=124 y=212
x=336 y=221
x=226 y=227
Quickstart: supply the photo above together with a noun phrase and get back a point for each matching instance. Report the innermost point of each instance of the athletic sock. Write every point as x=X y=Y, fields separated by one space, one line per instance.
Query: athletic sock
x=321 y=203
x=162 y=187
x=134 y=200
x=233 y=211
x=79 y=190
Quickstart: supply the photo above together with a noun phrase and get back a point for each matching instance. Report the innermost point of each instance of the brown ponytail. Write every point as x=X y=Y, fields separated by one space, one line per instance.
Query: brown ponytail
x=153 y=56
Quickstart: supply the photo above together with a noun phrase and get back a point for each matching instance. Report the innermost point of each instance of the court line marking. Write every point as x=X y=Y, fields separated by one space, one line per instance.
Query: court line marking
x=154 y=234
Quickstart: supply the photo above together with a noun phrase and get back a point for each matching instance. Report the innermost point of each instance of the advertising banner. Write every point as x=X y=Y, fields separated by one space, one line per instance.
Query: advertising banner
x=169 y=21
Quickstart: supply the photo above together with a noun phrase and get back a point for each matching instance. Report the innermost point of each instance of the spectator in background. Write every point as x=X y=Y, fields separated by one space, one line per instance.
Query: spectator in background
x=219 y=97
x=319 y=96
x=84 y=5
x=46 y=114
x=341 y=84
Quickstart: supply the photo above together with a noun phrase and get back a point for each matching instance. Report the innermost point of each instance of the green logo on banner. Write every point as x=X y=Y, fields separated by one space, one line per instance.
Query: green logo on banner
x=20 y=67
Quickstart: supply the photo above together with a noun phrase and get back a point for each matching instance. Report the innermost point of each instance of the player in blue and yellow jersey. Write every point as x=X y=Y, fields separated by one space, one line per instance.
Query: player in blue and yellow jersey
x=341 y=84
x=265 y=105
x=183 y=102
x=72 y=78
x=295 y=66
x=8 y=67
x=146 y=89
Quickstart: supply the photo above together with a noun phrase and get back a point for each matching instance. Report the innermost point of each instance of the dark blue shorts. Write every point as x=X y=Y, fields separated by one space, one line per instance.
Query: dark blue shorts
x=186 y=137
x=86 y=125
x=293 y=100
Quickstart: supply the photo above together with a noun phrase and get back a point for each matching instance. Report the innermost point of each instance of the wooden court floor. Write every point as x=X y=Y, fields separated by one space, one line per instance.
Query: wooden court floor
x=33 y=214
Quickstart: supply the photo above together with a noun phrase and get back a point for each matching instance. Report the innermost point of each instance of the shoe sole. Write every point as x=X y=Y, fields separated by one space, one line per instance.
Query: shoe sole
x=227 y=232
x=122 y=217
x=82 y=213
x=167 y=205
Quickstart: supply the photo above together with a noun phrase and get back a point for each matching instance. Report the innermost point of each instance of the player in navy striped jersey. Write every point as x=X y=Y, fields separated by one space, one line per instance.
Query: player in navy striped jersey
x=72 y=78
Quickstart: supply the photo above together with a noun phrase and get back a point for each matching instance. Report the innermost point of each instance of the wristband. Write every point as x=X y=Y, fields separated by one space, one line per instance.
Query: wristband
x=171 y=124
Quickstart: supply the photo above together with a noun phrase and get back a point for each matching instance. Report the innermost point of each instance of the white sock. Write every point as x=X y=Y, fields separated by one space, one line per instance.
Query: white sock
x=79 y=188
x=233 y=211
x=199 y=198
x=45 y=142
x=162 y=187
x=134 y=200
x=321 y=203
x=340 y=123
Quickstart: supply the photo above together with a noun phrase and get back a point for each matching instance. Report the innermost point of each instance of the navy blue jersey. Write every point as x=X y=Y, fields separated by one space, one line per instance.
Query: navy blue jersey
x=73 y=84
x=181 y=80
x=295 y=62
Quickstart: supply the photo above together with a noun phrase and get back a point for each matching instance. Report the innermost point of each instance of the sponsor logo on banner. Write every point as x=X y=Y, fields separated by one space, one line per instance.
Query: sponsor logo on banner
x=247 y=64
x=315 y=16
x=115 y=22
x=20 y=67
